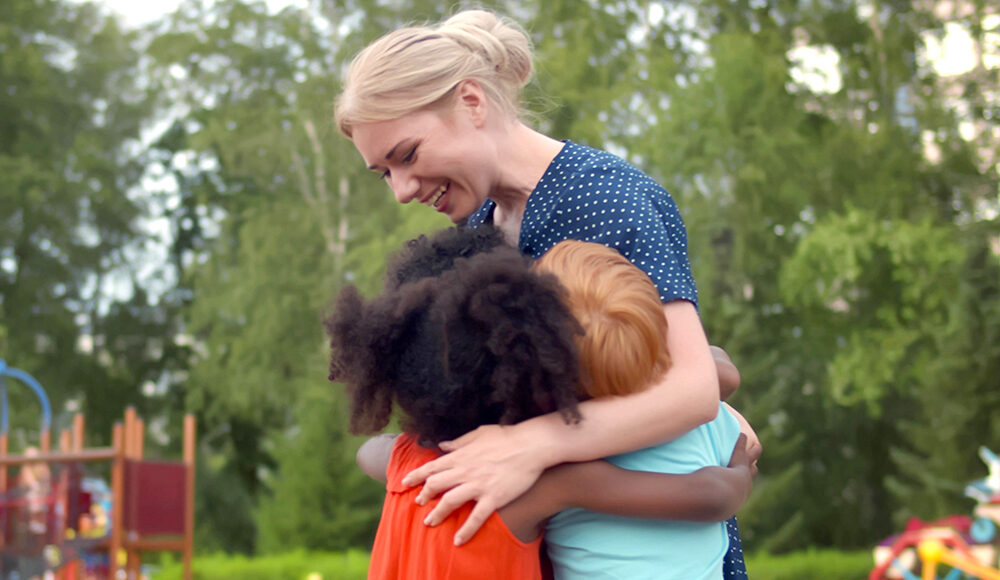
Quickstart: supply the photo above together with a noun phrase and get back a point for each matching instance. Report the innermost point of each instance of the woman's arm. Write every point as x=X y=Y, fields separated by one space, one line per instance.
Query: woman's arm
x=493 y=465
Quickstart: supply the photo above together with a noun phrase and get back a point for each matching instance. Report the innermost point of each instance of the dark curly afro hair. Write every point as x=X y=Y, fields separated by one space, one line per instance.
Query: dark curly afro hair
x=464 y=334
x=425 y=257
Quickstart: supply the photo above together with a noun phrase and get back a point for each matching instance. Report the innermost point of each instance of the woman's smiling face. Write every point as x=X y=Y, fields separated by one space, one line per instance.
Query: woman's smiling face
x=435 y=157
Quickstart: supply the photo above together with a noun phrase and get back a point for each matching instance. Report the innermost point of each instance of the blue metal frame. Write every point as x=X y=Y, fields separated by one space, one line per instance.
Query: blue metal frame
x=6 y=371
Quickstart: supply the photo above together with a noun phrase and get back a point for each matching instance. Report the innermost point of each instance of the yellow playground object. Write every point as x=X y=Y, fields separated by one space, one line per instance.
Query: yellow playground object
x=963 y=548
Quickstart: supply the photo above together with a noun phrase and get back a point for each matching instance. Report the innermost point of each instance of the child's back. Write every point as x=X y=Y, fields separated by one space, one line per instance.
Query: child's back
x=620 y=311
x=406 y=548
x=586 y=544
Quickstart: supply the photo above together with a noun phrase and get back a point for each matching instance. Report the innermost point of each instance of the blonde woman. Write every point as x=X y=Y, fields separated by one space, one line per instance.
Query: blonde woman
x=436 y=111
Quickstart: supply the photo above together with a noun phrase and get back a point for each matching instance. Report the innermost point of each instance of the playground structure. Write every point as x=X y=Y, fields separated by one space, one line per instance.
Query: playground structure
x=962 y=547
x=60 y=532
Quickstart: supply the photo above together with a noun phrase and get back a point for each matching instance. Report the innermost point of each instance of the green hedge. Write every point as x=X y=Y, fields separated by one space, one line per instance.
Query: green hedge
x=811 y=565
x=298 y=565
x=353 y=565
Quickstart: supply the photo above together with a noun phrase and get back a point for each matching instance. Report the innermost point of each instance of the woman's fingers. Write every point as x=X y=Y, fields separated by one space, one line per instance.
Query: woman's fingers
x=447 y=462
x=490 y=465
x=449 y=502
x=425 y=471
x=476 y=519
x=468 y=438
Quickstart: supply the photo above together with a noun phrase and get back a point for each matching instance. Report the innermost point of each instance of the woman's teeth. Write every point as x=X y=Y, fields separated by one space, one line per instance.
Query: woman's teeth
x=440 y=194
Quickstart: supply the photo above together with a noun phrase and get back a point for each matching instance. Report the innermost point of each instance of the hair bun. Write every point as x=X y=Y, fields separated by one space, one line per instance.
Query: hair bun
x=500 y=41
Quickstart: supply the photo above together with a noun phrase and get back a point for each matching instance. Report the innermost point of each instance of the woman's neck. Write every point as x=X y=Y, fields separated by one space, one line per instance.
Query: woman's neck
x=523 y=156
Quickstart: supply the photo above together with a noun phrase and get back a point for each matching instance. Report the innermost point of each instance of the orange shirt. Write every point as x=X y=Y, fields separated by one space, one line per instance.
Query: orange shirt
x=406 y=549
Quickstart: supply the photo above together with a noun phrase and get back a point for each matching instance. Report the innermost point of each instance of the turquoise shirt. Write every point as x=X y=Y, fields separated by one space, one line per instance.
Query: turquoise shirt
x=592 y=546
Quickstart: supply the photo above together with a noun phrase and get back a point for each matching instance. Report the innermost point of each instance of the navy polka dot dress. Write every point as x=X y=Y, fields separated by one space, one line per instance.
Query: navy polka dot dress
x=591 y=195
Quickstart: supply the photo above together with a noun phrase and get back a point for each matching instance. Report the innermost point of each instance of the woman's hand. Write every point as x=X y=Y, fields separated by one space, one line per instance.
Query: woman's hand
x=491 y=465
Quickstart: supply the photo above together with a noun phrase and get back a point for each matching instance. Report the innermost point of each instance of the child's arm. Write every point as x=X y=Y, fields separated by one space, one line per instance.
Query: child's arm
x=729 y=375
x=373 y=456
x=754 y=447
x=711 y=494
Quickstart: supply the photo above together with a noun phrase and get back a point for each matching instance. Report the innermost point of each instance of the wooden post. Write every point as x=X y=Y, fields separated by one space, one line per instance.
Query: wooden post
x=117 y=498
x=133 y=566
x=3 y=468
x=78 y=432
x=190 y=432
x=139 y=443
x=45 y=441
x=62 y=502
x=3 y=477
x=130 y=419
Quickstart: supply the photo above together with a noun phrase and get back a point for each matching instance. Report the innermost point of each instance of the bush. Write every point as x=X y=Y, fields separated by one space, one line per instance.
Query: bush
x=297 y=565
x=811 y=564
x=353 y=565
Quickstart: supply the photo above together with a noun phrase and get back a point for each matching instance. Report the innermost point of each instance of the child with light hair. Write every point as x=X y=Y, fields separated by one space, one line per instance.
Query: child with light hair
x=623 y=351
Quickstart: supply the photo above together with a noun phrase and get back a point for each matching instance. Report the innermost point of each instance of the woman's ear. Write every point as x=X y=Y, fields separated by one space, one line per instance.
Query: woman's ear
x=470 y=99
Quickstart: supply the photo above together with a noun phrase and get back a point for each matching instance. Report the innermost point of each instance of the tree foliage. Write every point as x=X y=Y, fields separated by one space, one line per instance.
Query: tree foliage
x=178 y=210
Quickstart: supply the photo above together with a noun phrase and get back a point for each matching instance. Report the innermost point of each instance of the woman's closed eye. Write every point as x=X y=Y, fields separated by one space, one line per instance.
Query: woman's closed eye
x=411 y=155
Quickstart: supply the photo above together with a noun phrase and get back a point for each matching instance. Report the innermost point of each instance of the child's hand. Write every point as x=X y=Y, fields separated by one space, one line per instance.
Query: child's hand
x=745 y=466
x=729 y=375
x=491 y=465
x=754 y=448
x=741 y=457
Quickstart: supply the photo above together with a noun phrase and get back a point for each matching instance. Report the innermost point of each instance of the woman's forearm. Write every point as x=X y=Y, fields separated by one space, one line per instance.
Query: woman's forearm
x=685 y=397
x=619 y=424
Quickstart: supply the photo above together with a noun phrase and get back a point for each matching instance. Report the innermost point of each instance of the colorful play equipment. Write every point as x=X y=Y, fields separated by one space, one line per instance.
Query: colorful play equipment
x=57 y=523
x=961 y=547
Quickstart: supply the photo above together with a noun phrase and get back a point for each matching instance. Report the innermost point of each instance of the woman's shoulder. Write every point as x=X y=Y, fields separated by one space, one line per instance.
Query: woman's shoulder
x=584 y=158
x=581 y=171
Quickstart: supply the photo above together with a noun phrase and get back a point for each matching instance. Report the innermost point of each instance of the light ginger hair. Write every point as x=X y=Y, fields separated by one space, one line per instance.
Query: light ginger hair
x=418 y=67
x=624 y=345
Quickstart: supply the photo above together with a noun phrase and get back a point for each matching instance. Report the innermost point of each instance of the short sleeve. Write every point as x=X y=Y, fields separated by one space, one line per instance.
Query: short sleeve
x=624 y=209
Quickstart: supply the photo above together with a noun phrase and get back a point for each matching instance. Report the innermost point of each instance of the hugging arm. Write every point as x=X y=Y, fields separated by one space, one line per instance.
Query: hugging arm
x=729 y=375
x=494 y=465
x=710 y=494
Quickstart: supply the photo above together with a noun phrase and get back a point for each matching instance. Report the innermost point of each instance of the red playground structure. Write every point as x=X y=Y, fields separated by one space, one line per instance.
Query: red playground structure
x=54 y=522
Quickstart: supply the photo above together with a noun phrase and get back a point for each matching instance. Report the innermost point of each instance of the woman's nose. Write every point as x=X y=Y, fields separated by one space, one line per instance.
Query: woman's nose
x=404 y=185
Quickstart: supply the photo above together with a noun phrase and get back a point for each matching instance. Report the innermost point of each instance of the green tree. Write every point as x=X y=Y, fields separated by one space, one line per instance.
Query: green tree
x=82 y=314
x=320 y=499
x=848 y=268
x=273 y=213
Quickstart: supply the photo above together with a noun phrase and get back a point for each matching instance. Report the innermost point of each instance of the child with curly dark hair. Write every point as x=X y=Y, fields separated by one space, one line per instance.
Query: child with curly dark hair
x=466 y=334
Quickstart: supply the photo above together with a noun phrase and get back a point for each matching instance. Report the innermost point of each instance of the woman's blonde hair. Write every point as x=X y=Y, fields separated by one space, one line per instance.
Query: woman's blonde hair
x=624 y=346
x=418 y=67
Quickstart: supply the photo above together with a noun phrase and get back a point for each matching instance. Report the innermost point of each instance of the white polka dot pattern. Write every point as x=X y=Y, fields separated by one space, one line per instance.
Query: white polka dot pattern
x=591 y=195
